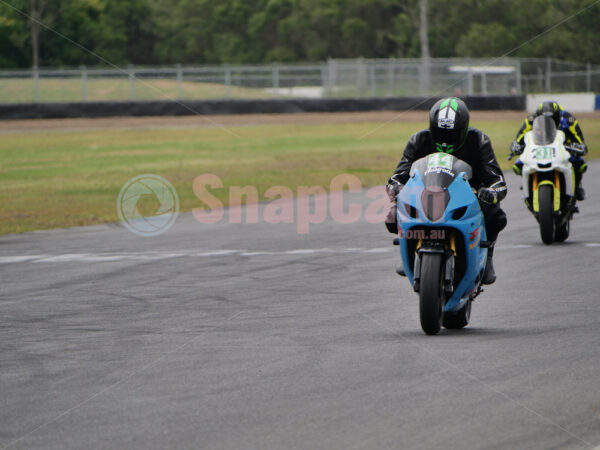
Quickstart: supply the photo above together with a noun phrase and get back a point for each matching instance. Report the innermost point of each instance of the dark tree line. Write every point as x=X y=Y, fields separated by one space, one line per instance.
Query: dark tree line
x=247 y=31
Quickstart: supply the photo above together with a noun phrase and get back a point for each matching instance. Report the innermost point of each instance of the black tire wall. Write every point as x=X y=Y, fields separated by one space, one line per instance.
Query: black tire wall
x=279 y=106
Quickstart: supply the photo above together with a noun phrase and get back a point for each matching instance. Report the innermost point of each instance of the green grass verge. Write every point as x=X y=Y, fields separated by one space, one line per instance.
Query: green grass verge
x=61 y=179
x=22 y=90
x=71 y=90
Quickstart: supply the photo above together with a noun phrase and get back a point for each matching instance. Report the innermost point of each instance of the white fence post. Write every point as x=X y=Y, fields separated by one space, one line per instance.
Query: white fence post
x=179 y=82
x=484 y=90
x=131 y=83
x=470 y=79
x=548 y=74
x=331 y=77
x=84 y=83
x=324 y=80
x=519 y=77
x=588 y=78
x=390 y=77
x=36 y=85
x=228 y=81
x=372 y=78
x=275 y=75
x=358 y=67
x=424 y=76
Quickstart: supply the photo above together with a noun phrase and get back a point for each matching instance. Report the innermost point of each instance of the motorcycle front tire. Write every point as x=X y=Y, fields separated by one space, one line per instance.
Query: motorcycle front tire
x=562 y=232
x=431 y=293
x=546 y=213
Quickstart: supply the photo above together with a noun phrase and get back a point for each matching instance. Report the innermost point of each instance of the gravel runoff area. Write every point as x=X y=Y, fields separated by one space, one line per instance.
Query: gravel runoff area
x=7 y=126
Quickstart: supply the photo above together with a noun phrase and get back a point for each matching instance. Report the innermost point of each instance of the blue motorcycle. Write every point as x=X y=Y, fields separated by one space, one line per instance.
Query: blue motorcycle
x=442 y=239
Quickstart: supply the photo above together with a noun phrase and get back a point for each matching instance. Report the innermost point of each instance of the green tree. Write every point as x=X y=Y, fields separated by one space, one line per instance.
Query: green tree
x=249 y=31
x=491 y=39
x=14 y=39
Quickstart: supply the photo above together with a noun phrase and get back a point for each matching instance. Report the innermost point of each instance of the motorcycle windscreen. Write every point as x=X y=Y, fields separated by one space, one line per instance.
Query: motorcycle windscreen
x=438 y=172
x=543 y=130
x=429 y=167
x=435 y=196
x=435 y=200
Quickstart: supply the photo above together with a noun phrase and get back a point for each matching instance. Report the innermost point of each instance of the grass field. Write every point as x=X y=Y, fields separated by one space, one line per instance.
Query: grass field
x=53 y=179
x=22 y=90
x=71 y=90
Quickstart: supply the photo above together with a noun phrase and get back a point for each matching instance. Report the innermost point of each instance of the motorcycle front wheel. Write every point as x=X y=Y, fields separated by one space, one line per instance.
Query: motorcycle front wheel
x=431 y=293
x=546 y=214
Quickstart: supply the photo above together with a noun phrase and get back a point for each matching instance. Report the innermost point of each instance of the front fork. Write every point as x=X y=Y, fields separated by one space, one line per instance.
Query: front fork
x=535 y=190
x=446 y=248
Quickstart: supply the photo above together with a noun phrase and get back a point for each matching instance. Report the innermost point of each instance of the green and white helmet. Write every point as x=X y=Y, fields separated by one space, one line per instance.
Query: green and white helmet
x=449 y=124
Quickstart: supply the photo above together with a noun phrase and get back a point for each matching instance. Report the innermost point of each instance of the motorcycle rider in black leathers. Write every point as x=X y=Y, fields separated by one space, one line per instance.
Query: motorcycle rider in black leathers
x=574 y=142
x=449 y=132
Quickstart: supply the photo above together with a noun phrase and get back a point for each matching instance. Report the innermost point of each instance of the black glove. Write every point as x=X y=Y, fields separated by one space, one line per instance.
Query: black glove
x=576 y=149
x=487 y=196
x=392 y=189
x=516 y=148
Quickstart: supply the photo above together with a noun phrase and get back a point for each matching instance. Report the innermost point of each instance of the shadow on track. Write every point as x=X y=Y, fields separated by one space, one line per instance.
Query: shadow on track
x=473 y=332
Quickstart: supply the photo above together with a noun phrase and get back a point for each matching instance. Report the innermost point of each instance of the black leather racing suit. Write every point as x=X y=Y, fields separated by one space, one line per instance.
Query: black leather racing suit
x=477 y=151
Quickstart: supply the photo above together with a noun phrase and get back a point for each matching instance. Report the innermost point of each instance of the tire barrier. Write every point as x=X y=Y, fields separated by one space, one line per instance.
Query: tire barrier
x=276 y=106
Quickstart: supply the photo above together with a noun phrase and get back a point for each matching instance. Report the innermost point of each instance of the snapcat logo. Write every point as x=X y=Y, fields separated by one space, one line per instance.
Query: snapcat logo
x=148 y=205
x=307 y=206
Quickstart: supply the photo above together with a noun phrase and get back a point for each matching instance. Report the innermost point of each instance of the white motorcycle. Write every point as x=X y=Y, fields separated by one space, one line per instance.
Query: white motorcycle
x=548 y=179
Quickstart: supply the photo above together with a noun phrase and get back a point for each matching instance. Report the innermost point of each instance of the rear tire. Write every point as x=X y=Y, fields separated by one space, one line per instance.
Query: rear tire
x=562 y=232
x=431 y=293
x=460 y=319
x=546 y=213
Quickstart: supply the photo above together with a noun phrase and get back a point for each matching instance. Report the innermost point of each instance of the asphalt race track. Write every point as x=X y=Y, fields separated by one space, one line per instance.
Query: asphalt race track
x=232 y=336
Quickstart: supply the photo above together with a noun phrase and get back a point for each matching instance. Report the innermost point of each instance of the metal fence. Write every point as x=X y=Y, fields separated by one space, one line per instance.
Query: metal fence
x=331 y=79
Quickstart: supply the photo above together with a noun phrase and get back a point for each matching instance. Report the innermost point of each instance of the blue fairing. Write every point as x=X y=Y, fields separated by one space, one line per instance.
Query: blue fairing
x=470 y=225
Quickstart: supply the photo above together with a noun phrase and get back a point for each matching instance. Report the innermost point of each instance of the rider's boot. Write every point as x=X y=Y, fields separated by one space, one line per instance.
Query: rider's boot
x=400 y=269
x=580 y=168
x=489 y=275
x=580 y=193
x=518 y=167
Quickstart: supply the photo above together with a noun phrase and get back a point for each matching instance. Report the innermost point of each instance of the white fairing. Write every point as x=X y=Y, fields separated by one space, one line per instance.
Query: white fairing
x=546 y=158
